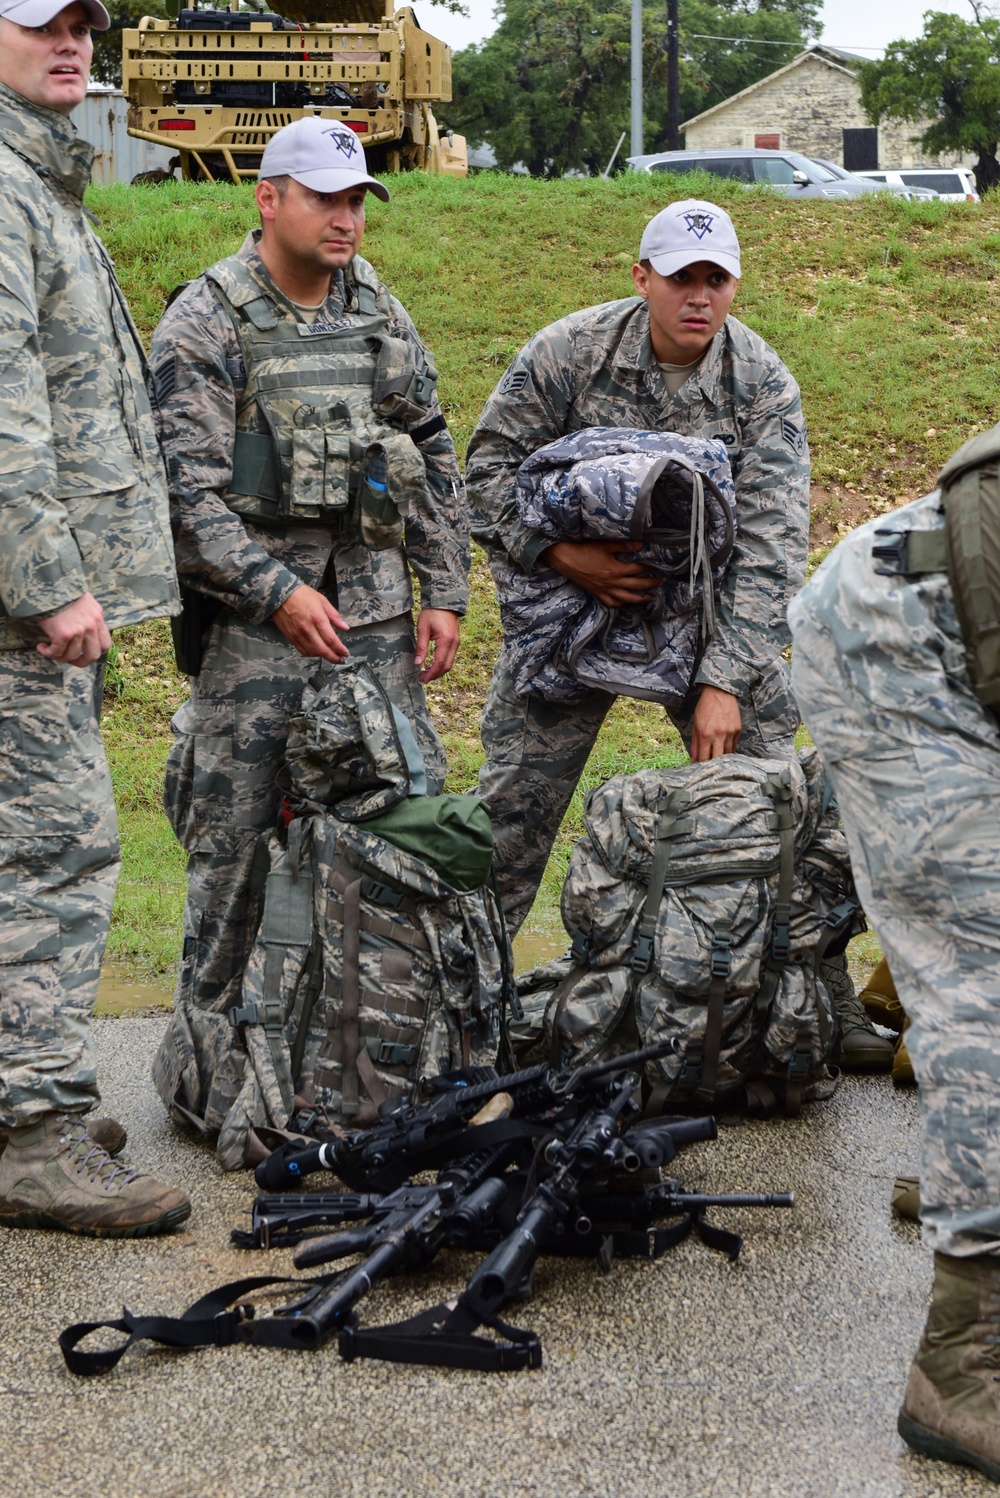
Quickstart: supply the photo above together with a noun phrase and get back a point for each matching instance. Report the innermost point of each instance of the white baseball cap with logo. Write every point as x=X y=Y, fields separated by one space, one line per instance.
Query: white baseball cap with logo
x=32 y=13
x=320 y=153
x=687 y=232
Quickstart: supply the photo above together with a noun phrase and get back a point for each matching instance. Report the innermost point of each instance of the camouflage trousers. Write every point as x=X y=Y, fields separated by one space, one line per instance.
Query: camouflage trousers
x=221 y=794
x=59 y=861
x=879 y=671
x=536 y=752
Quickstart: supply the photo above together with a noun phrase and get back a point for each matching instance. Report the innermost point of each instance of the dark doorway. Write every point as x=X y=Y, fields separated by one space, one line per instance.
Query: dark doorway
x=861 y=149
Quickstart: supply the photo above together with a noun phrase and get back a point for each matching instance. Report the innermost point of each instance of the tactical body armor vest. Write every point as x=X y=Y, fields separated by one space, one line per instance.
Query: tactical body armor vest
x=319 y=429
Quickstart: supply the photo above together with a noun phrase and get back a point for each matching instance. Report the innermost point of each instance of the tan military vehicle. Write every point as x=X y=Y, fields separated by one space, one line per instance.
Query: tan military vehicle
x=216 y=84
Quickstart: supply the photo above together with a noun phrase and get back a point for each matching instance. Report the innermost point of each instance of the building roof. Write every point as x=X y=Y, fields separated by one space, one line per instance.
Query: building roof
x=830 y=57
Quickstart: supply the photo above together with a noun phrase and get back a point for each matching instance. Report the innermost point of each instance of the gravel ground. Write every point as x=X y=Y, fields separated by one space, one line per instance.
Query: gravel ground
x=691 y=1377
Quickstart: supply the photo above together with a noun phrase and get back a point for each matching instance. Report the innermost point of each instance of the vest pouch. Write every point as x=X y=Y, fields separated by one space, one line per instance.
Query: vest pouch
x=403 y=390
x=321 y=472
x=394 y=482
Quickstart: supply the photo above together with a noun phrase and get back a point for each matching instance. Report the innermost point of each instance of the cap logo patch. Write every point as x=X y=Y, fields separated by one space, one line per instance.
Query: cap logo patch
x=699 y=224
x=345 y=141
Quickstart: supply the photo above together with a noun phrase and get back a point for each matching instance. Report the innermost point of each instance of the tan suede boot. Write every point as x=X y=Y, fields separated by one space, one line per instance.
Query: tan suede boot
x=881 y=1000
x=53 y=1175
x=107 y=1132
x=903 y=1074
x=951 y=1408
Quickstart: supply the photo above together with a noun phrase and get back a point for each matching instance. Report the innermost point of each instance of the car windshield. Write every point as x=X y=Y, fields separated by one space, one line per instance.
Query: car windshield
x=829 y=166
x=940 y=181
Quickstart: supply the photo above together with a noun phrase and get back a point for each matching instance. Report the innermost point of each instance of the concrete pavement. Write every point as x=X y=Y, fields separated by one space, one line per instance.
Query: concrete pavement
x=688 y=1378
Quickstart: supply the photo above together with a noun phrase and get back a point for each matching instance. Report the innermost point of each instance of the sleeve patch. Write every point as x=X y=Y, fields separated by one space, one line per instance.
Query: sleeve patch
x=513 y=381
x=793 y=435
x=166 y=379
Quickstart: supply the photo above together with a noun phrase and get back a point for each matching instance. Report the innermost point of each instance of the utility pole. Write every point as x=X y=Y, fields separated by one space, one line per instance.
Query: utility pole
x=673 y=81
x=636 y=118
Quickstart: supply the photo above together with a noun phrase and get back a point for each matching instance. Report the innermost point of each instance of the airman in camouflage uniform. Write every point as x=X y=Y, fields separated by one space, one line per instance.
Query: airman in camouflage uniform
x=880 y=673
x=84 y=547
x=284 y=583
x=668 y=360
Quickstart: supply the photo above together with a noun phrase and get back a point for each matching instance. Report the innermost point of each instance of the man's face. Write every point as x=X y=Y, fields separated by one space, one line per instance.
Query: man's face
x=315 y=231
x=686 y=310
x=49 y=65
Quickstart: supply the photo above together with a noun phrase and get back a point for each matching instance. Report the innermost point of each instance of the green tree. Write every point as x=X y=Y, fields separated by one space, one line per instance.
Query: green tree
x=550 y=87
x=949 y=76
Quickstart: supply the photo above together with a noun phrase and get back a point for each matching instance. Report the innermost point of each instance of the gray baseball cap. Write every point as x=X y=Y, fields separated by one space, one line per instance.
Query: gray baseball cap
x=687 y=232
x=322 y=154
x=41 y=12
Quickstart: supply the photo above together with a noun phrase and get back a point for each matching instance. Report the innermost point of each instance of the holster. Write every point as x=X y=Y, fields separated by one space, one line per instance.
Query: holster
x=190 y=628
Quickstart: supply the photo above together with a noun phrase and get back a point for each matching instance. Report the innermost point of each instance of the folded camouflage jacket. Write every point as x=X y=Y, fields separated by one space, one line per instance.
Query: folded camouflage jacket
x=674 y=494
x=597 y=368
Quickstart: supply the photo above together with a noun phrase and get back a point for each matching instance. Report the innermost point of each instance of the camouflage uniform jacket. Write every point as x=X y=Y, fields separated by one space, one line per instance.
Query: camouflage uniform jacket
x=83 y=500
x=251 y=568
x=596 y=368
x=675 y=494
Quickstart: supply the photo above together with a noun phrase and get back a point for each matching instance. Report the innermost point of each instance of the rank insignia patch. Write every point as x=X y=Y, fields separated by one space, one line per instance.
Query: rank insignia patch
x=513 y=381
x=793 y=435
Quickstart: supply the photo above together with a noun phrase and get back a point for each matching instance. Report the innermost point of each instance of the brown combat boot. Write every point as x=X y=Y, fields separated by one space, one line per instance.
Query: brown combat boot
x=903 y=1074
x=951 y=1408
x=53 y=1175
x=881 y=1000
x=107 y=1132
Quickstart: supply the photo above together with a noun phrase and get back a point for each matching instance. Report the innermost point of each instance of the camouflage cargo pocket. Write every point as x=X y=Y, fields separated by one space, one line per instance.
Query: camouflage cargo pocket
x=198 y=788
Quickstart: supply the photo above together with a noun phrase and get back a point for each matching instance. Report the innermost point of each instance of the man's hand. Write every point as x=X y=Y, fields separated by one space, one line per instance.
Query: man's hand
x=443 y=628
x=716 y=725
x=597 y=566
x=76 y=635
x=308 y=620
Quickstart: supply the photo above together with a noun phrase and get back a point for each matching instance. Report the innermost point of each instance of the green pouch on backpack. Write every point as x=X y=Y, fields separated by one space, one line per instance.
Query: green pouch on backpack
x=452 y=833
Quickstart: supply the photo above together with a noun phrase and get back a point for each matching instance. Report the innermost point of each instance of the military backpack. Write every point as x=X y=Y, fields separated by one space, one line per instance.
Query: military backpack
x=968 y=549
x=381 y=955
x=700 y=904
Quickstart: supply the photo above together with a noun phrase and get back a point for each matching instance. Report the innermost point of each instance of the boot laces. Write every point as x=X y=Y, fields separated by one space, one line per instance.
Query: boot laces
x=91 y=1158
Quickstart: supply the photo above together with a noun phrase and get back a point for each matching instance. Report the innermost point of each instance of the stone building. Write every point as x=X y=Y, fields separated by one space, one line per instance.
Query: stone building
x=812 y=105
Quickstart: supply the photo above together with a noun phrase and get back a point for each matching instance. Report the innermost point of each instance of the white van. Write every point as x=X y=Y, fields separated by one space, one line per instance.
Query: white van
x=955 y=184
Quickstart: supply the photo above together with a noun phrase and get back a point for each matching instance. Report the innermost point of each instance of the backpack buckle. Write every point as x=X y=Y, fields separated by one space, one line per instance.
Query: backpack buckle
x=781 y=943
x=382 y=894
x=799 y=1064
x=642 y=957
x=580 y=949
x=892 y=552
x=721 y=959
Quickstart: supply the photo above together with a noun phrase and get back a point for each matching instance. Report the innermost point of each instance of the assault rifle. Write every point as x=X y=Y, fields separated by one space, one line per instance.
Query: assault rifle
x=285 y=1219
x=412 y=1137
x=596 y=1148
x=573 y=1197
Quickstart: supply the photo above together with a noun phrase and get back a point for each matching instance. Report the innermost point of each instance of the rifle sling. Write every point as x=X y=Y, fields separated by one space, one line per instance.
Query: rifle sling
x=218 y=1319
x=444 y=1338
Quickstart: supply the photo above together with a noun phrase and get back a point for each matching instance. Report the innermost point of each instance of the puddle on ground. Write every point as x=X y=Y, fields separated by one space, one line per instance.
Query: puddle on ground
x=536 y=943
x=118 y=994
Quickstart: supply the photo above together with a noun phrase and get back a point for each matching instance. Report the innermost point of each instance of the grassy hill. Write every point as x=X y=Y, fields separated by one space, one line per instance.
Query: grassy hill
x=885 y=311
